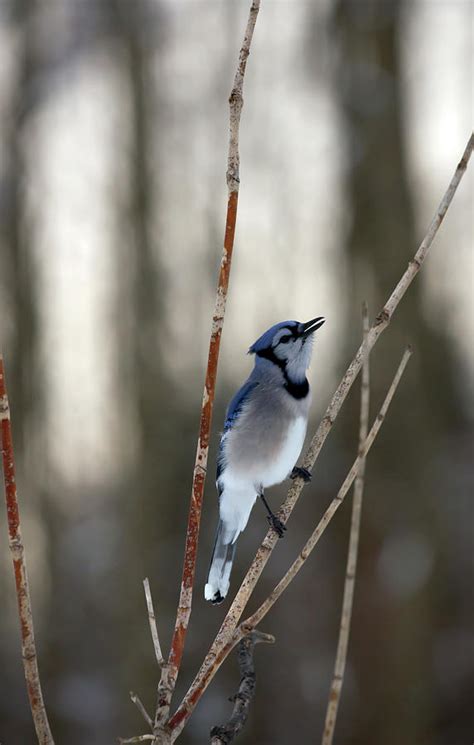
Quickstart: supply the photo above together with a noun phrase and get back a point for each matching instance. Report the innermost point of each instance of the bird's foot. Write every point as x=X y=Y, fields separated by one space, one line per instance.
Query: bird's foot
x=299 y=472
x=277 y=525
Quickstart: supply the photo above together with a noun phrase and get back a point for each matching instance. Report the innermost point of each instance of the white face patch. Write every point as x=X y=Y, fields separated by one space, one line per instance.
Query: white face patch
x=299 y=358
x=285 y=345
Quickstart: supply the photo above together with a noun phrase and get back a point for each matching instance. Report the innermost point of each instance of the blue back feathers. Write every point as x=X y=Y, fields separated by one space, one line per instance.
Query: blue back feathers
x=235 y=406
x=265 y=340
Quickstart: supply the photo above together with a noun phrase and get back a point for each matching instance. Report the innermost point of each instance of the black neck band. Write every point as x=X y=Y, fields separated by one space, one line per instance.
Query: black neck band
x=297 y=390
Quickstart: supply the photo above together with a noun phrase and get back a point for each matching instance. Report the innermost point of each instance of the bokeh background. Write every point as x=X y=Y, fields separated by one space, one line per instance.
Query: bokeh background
x=113 y=136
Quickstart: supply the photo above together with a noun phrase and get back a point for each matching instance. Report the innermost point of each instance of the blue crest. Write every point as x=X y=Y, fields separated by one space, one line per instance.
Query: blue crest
x=265 y=340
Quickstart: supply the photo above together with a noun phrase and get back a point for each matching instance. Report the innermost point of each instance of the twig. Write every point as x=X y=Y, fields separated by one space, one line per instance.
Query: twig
x=225 y=733
x=138 y=703
x=226 y=632
x=152 y=621
x=170 y=672
x=347 y=602
x=138 y=738
x=30 y=662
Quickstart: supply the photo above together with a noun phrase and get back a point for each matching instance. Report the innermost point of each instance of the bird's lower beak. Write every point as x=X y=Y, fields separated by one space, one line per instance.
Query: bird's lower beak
x=311 y=326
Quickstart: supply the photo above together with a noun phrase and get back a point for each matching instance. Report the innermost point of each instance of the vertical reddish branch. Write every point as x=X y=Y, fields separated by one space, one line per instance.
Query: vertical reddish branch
x=30 y=663
x=170 y=671
x=200 y=467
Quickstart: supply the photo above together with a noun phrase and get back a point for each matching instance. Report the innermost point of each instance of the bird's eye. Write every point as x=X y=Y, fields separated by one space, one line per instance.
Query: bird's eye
x=285 y=339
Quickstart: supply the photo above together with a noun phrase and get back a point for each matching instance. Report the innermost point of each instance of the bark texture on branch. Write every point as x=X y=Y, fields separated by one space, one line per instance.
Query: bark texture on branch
x=30 y=661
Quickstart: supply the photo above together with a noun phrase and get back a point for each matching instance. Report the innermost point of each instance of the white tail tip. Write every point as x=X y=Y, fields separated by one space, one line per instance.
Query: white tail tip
x=213 y=594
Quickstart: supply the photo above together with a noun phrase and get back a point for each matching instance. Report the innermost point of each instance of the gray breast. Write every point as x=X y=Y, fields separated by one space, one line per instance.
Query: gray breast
x=262 y=428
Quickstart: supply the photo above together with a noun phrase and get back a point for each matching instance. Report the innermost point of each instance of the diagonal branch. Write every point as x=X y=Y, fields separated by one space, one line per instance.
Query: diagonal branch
x=141 y=708
x=30 y=661
x=347 y=602
x=152 y=621
x=170 y=671
x=225 y=634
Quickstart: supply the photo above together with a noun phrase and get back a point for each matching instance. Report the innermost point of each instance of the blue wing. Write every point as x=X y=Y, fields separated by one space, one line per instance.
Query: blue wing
x=232 y=415
x=236 y=405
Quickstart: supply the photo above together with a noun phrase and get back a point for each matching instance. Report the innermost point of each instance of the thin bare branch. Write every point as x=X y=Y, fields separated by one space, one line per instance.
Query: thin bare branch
x=30 y=661
x=226 y=733
x=170 y=672
x=138 y=703
x=152 y=620
x=236 y=102
x=138 y=738
x=225 y=636
x=351 y=567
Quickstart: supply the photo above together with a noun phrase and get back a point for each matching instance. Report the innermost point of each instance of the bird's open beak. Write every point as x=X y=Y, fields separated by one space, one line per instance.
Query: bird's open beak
x=311 y=326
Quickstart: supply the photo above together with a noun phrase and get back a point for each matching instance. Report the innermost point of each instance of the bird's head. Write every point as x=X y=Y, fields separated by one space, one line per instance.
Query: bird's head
x=289 y=345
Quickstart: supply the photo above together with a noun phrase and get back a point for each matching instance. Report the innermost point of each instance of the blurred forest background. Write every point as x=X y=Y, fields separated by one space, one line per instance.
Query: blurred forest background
x=113 y=136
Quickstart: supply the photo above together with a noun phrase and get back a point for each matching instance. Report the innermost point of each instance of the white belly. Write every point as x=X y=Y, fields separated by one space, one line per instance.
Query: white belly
x=281 y=466
x=240 y=488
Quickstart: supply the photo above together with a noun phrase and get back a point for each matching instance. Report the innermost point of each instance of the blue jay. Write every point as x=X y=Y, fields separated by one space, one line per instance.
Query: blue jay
x=263 y=435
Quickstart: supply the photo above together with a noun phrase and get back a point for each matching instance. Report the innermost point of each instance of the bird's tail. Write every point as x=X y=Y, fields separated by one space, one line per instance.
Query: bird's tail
x=222 y=559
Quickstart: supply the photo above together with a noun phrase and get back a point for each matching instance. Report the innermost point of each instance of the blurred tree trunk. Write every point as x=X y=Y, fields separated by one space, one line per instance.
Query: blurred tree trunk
x=19 y=293
x=154 y=494
x=382 y=235
x=394 y=659
x=18 y=277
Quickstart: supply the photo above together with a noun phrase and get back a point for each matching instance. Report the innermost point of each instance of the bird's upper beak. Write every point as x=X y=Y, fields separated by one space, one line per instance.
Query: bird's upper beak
x=305 y=329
